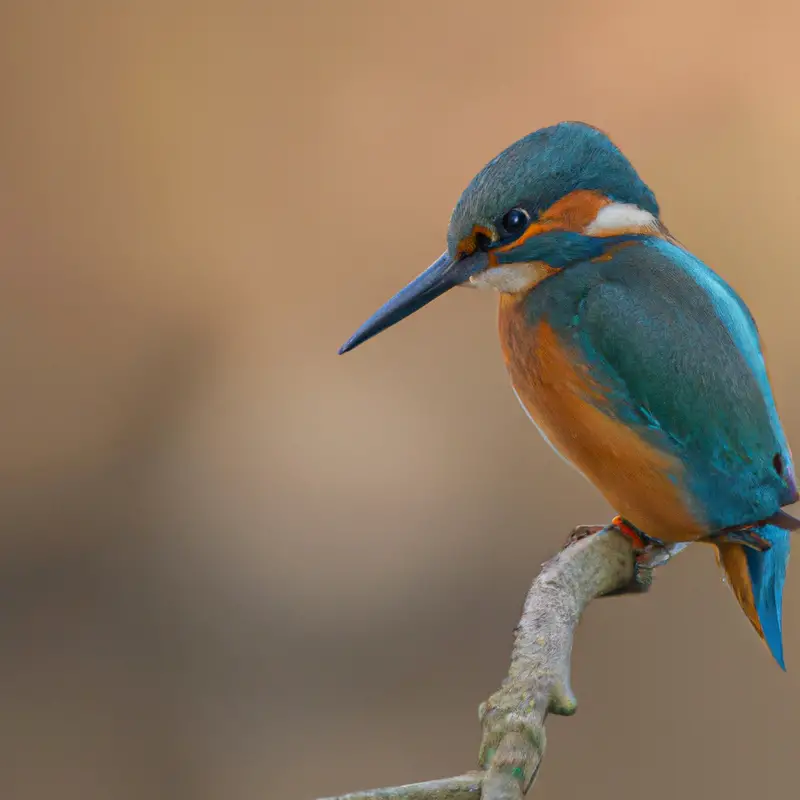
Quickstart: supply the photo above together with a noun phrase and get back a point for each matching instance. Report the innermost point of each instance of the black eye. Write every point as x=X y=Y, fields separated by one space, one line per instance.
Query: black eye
x=516 y=220
x=482 y=242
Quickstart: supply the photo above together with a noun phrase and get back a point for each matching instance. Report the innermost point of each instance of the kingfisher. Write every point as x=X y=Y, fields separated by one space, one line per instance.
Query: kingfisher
x=638 y=364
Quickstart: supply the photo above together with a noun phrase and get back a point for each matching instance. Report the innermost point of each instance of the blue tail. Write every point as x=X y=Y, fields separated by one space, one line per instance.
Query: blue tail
x=757 y=579
x=767 y=575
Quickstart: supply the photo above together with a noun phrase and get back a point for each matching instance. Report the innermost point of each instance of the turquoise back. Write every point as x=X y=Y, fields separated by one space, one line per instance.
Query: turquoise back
x=680 y=358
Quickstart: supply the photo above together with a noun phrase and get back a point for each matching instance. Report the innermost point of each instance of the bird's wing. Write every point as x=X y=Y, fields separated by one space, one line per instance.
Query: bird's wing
x=678 y=351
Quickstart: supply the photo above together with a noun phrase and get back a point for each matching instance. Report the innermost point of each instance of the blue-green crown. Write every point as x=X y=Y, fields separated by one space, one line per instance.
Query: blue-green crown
x=543 y=167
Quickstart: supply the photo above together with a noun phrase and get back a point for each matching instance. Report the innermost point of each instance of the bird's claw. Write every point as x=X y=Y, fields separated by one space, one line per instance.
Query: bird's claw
x=646 y=560
x=652 y=554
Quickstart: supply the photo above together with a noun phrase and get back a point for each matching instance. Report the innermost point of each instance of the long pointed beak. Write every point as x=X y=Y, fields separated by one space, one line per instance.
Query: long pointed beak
x=443 y=274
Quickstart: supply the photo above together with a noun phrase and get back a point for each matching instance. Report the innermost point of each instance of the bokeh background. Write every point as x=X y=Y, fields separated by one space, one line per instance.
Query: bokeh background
x=235 y=565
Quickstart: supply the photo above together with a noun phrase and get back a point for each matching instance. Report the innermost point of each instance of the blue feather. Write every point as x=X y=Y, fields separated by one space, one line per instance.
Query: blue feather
x=767 y=575
x=543 y=167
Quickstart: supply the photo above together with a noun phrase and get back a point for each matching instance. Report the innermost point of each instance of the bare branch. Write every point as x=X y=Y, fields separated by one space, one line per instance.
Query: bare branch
x=538 y=680
x=463 y=787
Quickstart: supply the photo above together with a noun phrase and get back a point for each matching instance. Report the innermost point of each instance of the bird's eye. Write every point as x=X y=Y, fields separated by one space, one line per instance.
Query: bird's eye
x=516 y=220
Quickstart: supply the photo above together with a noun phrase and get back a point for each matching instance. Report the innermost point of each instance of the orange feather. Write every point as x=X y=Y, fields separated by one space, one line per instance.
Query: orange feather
x=639 y=481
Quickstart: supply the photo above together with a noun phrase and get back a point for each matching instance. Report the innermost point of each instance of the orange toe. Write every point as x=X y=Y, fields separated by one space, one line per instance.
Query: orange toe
x=628 y=530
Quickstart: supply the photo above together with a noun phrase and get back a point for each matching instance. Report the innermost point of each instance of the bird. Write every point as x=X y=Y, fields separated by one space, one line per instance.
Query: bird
x=638 y=363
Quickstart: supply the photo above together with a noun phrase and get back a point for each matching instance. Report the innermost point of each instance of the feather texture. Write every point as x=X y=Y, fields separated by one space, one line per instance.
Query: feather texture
x=757 y=580
x=658 y=393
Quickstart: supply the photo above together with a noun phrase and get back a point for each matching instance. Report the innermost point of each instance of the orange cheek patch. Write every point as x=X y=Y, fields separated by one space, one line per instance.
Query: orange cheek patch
x=573 y=212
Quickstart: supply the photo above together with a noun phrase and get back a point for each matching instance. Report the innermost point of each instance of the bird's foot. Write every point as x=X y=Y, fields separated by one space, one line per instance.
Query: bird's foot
x=655 y=554
x=649 y=553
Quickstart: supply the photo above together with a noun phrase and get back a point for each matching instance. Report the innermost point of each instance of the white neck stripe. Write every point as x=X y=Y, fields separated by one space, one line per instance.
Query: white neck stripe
x=620 y=216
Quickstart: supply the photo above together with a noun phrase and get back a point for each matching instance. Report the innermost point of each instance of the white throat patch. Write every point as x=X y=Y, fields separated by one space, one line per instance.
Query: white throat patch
x=511 y=278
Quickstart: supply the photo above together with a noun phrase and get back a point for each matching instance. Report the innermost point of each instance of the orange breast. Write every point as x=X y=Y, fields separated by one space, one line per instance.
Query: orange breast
x=640 y=482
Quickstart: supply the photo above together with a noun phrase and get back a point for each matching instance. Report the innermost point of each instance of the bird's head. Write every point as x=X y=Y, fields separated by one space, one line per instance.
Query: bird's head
x=556 y=197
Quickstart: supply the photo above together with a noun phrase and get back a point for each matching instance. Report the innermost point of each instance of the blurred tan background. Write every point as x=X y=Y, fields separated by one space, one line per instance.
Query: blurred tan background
x=235 y=565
